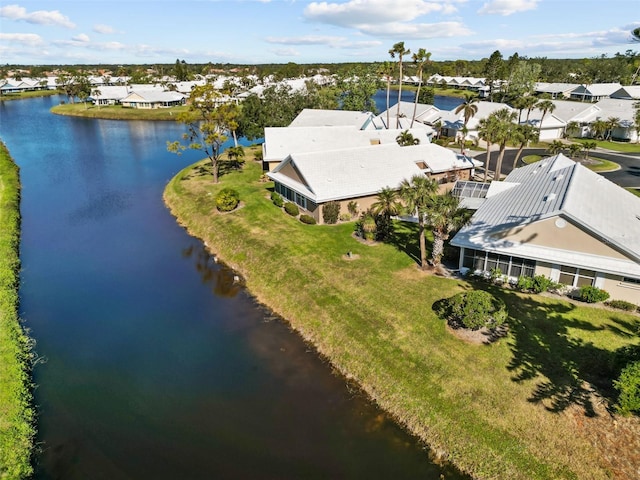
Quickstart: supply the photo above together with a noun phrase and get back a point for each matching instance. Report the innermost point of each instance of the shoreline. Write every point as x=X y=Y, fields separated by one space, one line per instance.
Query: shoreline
x=453 y=431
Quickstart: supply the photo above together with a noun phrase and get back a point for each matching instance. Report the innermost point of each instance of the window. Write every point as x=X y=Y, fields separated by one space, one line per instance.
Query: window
x=567 y=275
x=576 y=277
x=477 y=260
x=633 y=281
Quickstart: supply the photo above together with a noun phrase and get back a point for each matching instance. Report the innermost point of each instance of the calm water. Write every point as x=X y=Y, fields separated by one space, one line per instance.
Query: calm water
x=440 y=101
x=154 y=364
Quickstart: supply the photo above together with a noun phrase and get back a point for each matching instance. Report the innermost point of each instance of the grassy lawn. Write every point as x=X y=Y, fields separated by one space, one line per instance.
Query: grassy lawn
x=635 y=191
x=517 y=409
x=21 y=95
x=595 y=164
x=624 y=147
x=117 y=112
x=17 y=417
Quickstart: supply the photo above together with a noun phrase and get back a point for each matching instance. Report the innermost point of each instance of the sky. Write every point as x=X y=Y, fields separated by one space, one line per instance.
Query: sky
x=49 y=32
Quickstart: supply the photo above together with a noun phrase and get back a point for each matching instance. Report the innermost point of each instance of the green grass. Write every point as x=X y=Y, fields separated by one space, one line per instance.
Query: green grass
x=601 y=164
x=527 y=159
x=117 y=112
x=507 y=410
x=624 y=147
x=17 y=416
x=635 y=191
x=22 y=95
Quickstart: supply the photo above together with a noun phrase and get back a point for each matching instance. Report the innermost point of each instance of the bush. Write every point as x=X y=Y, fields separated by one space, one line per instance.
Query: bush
x=628 y=386
x=537 y=284
x=292 y=209
x=352 y=207
x=308 y=219
x=330 y=212
x=474 y=309
x=366 y=226
x=345 y=217
x=277 y=200
x=591 y=294
x=227 y=200
x=622 y=305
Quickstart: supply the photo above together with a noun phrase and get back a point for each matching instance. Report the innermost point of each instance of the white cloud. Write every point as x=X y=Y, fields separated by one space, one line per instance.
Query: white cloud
x=507 y=7
x=28 y=39
x=286 y=52
x=82 y=38
x=104 y=29
x=39 y=17
x=417 y=30
x=305 y=40
x=374 y=12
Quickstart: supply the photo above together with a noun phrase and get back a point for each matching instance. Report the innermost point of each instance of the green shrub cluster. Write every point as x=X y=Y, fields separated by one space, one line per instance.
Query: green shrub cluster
x=537 y=284
x=330 y=212
x=227 y=199
x=628 y=387
x=292 y=209
x=308 y=219
x=622 y=305
x=277 y=200
x=474 y=309
x=366 y=226
x=592 y=294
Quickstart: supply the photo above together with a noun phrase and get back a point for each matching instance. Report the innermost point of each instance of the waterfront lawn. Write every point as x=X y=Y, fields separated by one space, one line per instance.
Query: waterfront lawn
x=34 y=94
x=117 y=112
x=519 y=408
x=17 y=418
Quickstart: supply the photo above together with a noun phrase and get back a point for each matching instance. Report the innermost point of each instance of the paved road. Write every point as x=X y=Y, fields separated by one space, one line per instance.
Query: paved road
x=627 y=176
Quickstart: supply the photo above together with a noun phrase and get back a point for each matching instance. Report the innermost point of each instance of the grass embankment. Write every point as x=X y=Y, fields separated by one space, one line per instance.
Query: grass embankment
x=518 y=409
x=22 y=95
x=17 y=416
x=117 y=112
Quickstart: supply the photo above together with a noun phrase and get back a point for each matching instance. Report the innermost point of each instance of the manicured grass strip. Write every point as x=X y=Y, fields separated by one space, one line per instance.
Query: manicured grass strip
x=498 y=411
x=527 y=159
x=22 y=95
x=602 y=165
x=624 y=147
x=17 y=416
x=635 y=191
x=116 y=112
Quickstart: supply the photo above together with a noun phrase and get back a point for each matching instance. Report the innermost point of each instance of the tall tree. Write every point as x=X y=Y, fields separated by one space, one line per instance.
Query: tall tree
x=386 y=206
x=399 y=51
x=612 y=124
x=523 y=134
x=416 y=195
x=357 y=88
x=504 y=131
x=206 y=124
x=420 y=59
x=387 y=70
x=444 y=216
x=487 y=132
x=546 y=106
x=469 y=108
x=493 y=72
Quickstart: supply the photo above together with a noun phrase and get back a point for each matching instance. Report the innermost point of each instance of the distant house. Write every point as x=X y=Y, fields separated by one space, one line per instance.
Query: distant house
x=594 y=92
x=310 y=117
x=358 y=174
x=153 y=99
x=559 y=219
x=627 y=93
x=452 y=122
x=108 y=94
x=556 y=90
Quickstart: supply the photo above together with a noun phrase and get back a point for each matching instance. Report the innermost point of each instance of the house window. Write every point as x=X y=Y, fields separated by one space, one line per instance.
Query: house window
x=477 y=260
x=576 y=277
x=632 y=281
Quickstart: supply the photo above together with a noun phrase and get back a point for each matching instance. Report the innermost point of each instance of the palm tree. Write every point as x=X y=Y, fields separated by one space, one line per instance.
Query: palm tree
x=444 y=215
x=416 y=195
x=468 y=108
x=420 y=59
x=612 y=124
x=386 y=206
x=486 y=131
x=523 y=134
x=399 y=50
x=387 y=71
x=405 y=139
x=570 y=127
x=530 y=103
x=575 y=149
x=588 y=146
x=599 y=127
x=504 y=132
x=546 y=106
x=555 y=147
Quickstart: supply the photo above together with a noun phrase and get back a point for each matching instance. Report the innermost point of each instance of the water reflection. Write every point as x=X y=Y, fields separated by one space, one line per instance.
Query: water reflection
x=226 y=283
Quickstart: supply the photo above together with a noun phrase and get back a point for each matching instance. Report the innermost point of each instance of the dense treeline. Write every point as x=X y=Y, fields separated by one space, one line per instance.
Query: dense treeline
x=620 y=67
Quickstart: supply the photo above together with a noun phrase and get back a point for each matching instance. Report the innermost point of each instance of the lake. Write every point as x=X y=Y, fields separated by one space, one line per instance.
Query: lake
x=153 y=363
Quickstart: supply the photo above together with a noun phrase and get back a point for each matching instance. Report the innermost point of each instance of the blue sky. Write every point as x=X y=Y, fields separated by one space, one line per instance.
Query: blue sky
x=280 y=31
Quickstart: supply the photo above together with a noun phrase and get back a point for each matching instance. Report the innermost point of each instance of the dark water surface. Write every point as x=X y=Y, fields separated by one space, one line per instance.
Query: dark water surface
x=155 y=364
x=440 y=101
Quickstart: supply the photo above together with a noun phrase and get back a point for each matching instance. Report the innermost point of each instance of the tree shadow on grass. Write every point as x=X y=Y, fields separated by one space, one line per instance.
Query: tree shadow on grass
x=569 y=370
x=405 y=238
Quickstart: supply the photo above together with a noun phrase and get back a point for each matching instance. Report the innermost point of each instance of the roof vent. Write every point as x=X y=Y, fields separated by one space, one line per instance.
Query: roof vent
x=558 y=177
x=550 y=197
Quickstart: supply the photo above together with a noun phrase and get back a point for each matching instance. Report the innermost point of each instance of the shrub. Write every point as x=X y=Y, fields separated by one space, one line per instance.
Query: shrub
x=258 y=155
x=366 y=226
x=628 y=386
x=537 y=284
x=308 y=219
x=475 y=309
x=622 y=305
x=292 y=209
x=330 y=212
x=352 y=207
x=345 y=217
x=227 y=199
x=591 y=294
x=276 y=198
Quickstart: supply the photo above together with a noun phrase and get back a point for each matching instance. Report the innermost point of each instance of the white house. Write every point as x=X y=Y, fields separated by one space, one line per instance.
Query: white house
x=557 y=218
